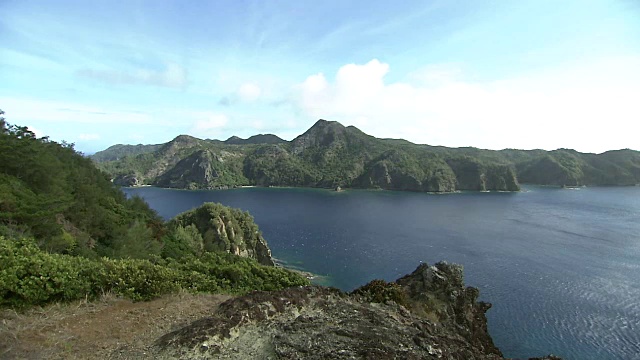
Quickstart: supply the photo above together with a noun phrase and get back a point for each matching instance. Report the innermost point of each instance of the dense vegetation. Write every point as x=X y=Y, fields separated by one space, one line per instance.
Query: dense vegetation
x=67 y=232
x=32 y=276
x=331 y=155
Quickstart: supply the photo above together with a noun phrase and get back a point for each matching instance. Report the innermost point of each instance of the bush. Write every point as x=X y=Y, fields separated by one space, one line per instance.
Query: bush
x=31 y=276
x=380 y=291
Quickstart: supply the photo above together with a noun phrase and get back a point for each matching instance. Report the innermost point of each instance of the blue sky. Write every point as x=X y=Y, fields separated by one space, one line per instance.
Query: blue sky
x=490 y=74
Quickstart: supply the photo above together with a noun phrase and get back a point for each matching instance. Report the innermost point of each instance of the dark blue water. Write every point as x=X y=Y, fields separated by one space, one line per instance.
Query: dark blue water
x=561 y=267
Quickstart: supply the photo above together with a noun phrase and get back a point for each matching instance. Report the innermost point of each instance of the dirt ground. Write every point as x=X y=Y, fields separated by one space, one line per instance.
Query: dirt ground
x=109 y=328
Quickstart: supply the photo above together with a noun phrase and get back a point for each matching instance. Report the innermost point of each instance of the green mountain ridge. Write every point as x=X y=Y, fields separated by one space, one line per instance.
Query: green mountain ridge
x=255 y=139
x=330 y=155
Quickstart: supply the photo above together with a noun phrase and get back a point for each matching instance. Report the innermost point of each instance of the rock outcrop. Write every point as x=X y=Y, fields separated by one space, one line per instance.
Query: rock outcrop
x=221 y=228
x=397 y=170
x=438 y=319
x=127 y=180
x=195 y=171
x=474 y=175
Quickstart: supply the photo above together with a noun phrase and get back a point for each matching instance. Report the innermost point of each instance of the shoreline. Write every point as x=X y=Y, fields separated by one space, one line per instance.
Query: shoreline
x=307 y=274
x=345 y=190
x=341 y=190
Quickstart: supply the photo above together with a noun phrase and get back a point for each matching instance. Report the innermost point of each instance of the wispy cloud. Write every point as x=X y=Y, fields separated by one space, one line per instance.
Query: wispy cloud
x=208 y=125
x=27 y=110
x=245 y=93
x=249 y=92
x=172 y=76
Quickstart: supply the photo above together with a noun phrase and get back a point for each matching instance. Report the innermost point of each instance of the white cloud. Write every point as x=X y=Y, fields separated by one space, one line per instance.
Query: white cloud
x=88 y=137
x=209 y=125
x=26 y=110
x=173 y=76
x=590 y=107
x=249 y=92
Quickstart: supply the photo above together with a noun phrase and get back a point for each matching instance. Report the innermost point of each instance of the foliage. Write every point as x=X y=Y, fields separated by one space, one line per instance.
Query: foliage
x=55 y=194
x=204 y=169
x=331 y=155
x=66 y=232
x=120 y=151
x=212 y=227
x=380 y=291
x=31 y=276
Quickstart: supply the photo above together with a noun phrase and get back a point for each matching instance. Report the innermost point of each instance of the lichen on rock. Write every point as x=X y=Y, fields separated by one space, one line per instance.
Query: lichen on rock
x=324 y=323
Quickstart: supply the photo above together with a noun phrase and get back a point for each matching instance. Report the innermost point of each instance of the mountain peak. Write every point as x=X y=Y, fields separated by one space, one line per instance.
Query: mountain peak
x=327 y=124
x=323 y=134
x=233 y=138
x=184 y=139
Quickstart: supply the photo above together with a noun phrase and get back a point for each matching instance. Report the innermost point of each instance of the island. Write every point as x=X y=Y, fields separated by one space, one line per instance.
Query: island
x=330 y=155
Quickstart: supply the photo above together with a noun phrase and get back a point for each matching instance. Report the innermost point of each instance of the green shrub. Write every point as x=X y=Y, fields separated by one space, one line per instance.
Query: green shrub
x=31 y=276
x=380 y=291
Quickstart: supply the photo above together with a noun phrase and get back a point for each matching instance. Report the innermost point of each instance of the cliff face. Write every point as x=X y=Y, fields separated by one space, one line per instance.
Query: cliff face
x=127 y=180
x=398 y=170
x=440 y=290
x=221 y=228
x=204 y=169
x=476 y=176
x=195 y=171
x=441 y=319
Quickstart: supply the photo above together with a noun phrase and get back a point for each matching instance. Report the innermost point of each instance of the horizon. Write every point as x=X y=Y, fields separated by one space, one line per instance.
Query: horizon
x=526 y=75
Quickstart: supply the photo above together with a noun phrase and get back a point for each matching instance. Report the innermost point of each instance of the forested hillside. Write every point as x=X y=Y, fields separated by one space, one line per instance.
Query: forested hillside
x=330 y=155
x=67 y=232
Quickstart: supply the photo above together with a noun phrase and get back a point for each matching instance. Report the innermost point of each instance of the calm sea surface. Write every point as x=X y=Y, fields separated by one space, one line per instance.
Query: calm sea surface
x=561 y=267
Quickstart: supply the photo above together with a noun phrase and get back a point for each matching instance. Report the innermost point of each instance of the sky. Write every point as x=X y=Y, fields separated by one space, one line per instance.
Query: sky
x=539 y=74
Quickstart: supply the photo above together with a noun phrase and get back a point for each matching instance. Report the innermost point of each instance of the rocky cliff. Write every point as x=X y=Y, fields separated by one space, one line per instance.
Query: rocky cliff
x=428 y=314
x=221 y=228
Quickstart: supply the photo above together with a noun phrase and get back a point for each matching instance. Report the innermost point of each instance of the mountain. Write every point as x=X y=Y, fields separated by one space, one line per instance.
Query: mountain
x=119 y=151
x=255 y=139
x=330 y=155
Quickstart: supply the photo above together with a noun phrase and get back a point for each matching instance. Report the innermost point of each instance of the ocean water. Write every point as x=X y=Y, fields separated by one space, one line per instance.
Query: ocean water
x=561 y=267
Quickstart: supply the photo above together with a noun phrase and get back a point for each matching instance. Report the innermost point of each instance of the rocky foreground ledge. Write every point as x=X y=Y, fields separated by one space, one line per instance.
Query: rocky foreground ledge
x=428 y=314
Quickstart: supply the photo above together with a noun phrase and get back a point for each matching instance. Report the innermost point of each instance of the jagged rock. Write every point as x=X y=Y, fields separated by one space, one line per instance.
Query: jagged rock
x=324 y=323
x=222 y=228
x=439 y=289
x=195 y=171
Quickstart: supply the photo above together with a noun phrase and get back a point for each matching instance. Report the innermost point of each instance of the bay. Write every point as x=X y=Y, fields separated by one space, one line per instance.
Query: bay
x=560 y=266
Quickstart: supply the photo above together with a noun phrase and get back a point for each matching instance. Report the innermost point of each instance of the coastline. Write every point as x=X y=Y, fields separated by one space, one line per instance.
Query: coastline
x=330 y=189
x=316 y=279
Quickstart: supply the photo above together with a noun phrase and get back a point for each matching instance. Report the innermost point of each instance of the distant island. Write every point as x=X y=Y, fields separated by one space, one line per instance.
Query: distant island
x=330 y=155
